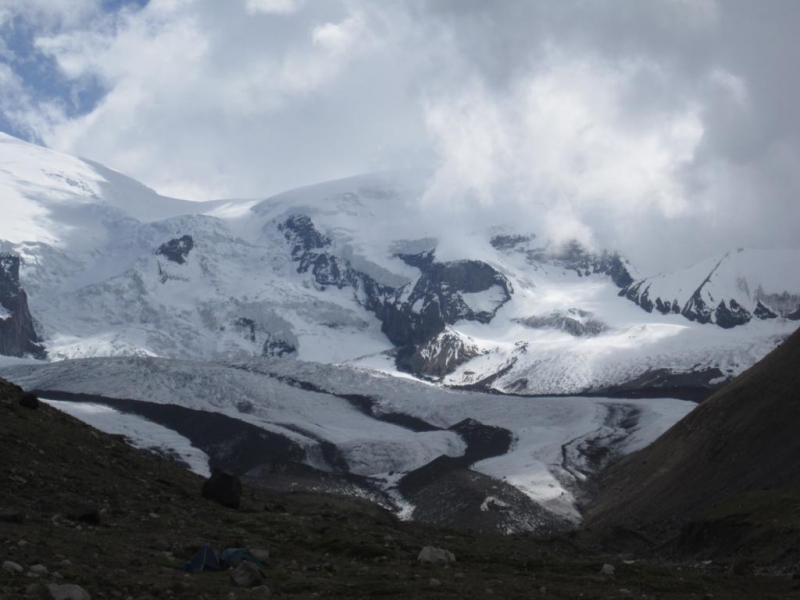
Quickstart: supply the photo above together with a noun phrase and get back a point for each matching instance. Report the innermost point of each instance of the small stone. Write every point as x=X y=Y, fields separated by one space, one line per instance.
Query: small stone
x=262 y=554
x=38 y=570
x=459 y=576
x=435 y=556
x=153 y=515
x=607 y=570
x=67 y=591
x=12 y=567
x=66 y=563
x=434 y=582
x=625 y=591
x=260 y=591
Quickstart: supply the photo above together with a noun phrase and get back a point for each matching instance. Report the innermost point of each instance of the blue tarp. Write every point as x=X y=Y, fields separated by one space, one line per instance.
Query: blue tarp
x=204 y=560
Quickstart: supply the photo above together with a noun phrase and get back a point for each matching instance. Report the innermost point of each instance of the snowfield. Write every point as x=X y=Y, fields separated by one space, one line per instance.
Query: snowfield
x=139 y=432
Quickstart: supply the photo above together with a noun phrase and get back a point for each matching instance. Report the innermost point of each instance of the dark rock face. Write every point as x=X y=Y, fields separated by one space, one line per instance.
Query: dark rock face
x=436 y=299
x=413 y=314
x=575 y=257
x=17 y=334
x=572 y=256
x=696 y=309
x=223 y=488
x=763 y=313
x=576 y=322
x=509 y=242
x=437 y=357
x=276 y=347
x=177 y=250
x=272 y=346
x=729 y=316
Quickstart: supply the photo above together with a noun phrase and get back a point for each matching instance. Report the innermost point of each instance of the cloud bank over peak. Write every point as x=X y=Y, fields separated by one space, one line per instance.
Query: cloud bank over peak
x=666 y=129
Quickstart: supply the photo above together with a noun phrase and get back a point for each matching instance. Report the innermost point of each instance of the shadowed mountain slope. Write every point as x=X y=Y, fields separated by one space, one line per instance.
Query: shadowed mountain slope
x=744 y=439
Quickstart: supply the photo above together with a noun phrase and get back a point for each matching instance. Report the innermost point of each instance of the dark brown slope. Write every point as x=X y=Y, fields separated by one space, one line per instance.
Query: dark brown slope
x=745 y=438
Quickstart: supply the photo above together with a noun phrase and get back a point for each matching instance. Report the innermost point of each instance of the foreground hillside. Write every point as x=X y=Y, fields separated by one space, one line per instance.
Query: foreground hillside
x=119 y=522
x=728 y=472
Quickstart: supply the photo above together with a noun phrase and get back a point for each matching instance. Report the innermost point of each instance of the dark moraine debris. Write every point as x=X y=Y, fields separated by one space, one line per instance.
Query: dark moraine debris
x=177 y=249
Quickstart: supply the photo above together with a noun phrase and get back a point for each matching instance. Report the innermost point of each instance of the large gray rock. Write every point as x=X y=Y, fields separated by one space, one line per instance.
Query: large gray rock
x=68 y=591
x=436 y=556
x=11 y=567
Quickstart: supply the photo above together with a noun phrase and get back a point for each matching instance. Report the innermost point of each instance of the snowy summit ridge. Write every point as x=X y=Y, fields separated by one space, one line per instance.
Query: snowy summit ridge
x=353 y=271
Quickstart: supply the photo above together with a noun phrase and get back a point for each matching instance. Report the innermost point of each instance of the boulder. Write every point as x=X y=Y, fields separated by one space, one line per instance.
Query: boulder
x=29 y=401
x=11 y=567
x=436 y=556
x=84 y=513
x=247 y=575
x=11 y=516
x=67 y=591
x=223 y=488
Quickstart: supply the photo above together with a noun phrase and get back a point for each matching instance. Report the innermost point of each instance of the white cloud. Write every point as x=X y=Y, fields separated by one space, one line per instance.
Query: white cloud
x=191 y=80
x=281 y=7
x=561 y=149
x=645 y=126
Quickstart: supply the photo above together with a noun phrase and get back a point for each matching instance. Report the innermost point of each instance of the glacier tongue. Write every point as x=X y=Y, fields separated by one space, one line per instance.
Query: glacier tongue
x=554 y=442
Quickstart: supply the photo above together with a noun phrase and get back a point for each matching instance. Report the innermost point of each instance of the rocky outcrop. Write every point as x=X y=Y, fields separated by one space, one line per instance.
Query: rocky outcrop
x=726 y=291
x=437 y=357
x=223 y=488
x=412 y=315
x=730 y=315
x=576 y=322
x=18 y=336
x=421 y=310
x=763 y=312
x=177 y=250
x=575 y=257
x=572 y=256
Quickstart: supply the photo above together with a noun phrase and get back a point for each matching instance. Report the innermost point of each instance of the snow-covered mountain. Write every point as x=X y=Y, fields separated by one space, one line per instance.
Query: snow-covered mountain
x=729 y=291
x=356 y=271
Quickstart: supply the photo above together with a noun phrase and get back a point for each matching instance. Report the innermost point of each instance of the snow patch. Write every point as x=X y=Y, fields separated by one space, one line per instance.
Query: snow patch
x=139 y=432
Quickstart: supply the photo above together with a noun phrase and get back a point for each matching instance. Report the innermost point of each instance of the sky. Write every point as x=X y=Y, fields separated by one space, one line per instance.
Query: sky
x=666 y=129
